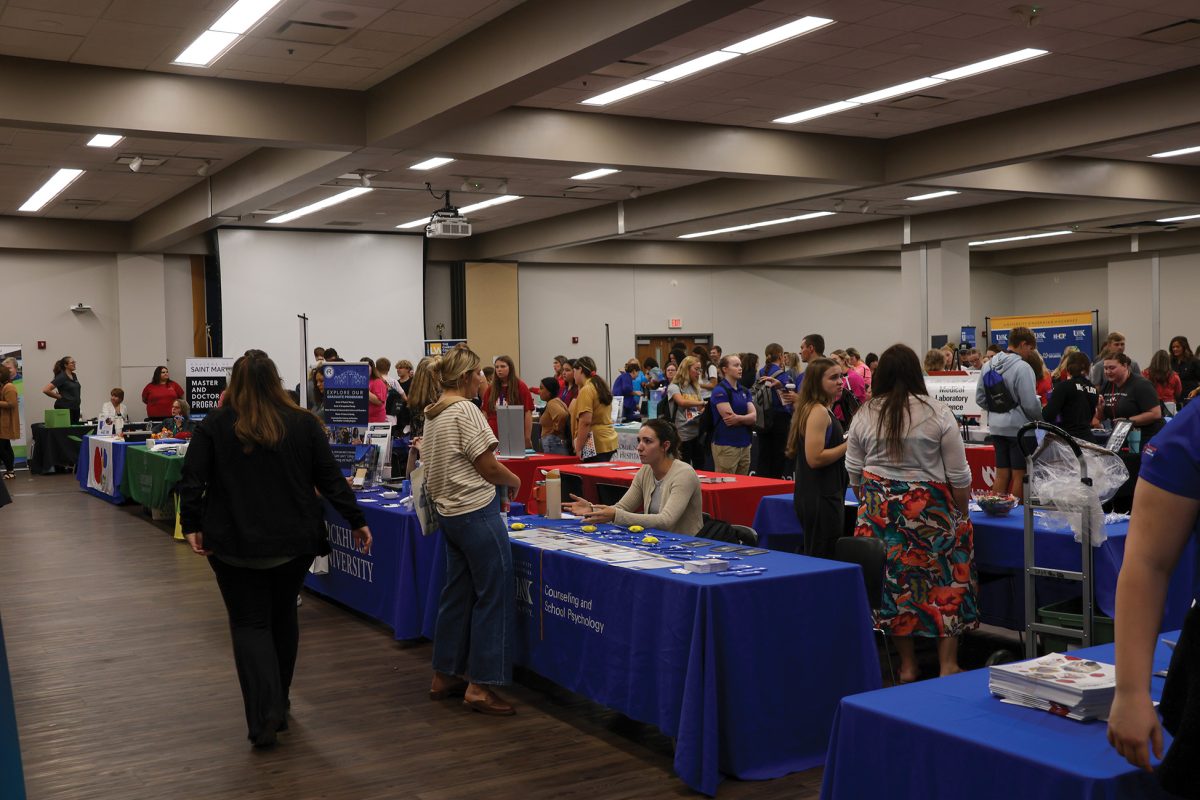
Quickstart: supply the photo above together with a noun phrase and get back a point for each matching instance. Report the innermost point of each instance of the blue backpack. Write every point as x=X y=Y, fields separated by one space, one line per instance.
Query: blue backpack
x=997 y=397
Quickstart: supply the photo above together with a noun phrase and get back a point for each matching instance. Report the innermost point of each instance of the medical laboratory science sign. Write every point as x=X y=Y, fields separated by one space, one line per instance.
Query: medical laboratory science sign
x=205 y=381
x=346 y=408
x=1054 y=332
x=956 y=391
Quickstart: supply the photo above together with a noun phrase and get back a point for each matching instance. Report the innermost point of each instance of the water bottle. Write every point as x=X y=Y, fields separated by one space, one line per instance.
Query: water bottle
x=1134 y=440
x=553 y=508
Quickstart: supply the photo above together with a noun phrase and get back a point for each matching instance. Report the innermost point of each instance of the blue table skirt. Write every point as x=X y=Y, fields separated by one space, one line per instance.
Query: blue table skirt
x=739 y=670
x=83 y=464
x=1000 y=547
x=949 y=738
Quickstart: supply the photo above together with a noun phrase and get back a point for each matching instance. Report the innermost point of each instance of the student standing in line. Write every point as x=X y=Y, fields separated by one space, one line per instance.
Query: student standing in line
x=733 y=420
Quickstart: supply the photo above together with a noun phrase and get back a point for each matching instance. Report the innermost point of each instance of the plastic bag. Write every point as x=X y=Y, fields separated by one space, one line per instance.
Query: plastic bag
x=1055 y=482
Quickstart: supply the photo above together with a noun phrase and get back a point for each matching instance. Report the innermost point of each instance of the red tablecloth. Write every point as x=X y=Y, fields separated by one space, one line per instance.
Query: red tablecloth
x=528 y=469
x=734 y=502
x=981 y=458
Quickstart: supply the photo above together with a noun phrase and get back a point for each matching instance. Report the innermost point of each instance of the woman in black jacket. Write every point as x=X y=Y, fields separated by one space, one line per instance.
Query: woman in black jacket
x=249 y=505
x=1072 y=404
x=1185 y=363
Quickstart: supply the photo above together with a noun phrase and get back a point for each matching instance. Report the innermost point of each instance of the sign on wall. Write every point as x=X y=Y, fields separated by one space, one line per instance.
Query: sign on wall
x=1054 y=332
x=205 y=379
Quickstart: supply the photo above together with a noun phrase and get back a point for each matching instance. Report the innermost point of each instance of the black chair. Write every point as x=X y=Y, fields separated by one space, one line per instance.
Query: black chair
x=610 y=493
x=871 y=555
x=571 y=485
x=745 y=534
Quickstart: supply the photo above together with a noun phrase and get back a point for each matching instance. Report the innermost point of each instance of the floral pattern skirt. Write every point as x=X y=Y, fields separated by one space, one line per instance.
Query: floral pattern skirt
x=930 y=585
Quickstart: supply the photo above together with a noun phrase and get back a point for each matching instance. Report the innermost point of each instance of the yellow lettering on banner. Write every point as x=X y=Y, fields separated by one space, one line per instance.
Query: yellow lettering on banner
x=1055 y=320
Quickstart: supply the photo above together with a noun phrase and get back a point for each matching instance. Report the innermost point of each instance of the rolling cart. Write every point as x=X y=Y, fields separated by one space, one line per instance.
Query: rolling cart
x=1032 y=571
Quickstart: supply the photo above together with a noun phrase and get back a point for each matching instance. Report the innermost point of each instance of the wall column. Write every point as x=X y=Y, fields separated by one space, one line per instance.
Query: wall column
x=493 y=322
x=141 y=298
x=935 y=292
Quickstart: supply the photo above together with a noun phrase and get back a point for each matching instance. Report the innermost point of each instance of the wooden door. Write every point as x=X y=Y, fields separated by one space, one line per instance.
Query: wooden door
x=657 y=347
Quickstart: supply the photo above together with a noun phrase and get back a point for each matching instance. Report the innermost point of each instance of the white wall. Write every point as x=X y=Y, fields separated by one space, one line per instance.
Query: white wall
x=438 y=302
x=1179 y=276
x=991 y=296
x=177 y=283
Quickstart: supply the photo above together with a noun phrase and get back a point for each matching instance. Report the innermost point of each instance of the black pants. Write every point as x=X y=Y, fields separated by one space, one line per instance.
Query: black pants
x=693 y=452
x=607 y=456
x=266 y=634
x=773 y=446
x=7 y=459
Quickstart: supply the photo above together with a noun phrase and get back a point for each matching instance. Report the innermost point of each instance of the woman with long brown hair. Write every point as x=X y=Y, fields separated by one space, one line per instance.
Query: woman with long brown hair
x=591 y=414
x=1166 y=380
x=1185 y=364
x=507 y=389
x=250 y=503
x=817 y=442
x=908 y=466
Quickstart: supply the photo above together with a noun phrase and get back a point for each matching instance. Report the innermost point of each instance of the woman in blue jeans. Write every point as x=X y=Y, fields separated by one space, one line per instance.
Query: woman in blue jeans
x=473 y=638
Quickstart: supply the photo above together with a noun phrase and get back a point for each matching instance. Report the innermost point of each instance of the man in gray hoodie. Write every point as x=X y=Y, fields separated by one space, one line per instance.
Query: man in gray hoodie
x=1003 y=425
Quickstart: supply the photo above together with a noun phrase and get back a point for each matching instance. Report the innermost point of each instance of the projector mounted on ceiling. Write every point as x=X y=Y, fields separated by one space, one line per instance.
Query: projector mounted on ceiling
x=447 y=222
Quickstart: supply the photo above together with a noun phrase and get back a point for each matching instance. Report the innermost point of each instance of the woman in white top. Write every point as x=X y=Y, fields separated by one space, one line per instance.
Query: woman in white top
x=908 y=466
x=476 y=624
x=115 y=407
x=665 y=487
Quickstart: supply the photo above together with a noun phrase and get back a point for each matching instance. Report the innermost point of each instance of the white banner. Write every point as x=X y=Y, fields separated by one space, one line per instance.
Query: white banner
x=100 y=464
x=956 y=391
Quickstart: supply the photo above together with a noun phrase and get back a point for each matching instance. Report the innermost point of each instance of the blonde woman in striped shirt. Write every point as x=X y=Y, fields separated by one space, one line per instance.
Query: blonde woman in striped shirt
x=476 y=625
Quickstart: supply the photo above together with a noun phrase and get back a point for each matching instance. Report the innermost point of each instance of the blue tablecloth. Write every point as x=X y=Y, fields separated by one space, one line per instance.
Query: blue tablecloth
x=1000 y=546
x=739 y=670
x=83 y=465
x=949 y=738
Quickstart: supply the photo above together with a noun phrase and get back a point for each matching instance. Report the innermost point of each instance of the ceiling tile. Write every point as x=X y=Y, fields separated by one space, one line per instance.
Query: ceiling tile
x=167 y=13
x=907 y=18
x=354 y=57
x=324 y=12
x=966 y=26
x=83 y=8
x=47 y=21
x=280 y=48
x=37 y=44
x=392 y=43
x=459 y=8
x=321 y=74
x=268 y=66
x=414 y=24
x=1133 y=24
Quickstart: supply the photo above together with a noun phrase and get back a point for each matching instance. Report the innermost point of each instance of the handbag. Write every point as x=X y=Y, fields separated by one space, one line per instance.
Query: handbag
x=589 y=448
x=422 y=503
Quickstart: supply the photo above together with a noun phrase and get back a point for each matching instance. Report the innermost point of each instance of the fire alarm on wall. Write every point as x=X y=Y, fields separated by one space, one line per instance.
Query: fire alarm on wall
x=574 y=340
x=41 y=344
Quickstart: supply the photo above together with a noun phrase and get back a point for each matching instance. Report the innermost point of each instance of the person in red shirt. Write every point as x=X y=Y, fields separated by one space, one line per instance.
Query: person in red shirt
x=1044 y=381
x=160 y=393
x=507 y=389
x=376 y=393
x=1165 y=379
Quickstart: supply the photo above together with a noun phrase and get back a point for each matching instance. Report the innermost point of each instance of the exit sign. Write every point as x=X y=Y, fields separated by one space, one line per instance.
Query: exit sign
x=675 y=324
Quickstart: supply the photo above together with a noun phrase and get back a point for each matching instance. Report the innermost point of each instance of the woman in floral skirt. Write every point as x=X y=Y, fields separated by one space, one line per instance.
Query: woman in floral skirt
x=908 y=466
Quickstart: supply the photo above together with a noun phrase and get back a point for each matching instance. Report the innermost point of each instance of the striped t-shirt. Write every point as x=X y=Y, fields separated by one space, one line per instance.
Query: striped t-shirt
x=453 y=440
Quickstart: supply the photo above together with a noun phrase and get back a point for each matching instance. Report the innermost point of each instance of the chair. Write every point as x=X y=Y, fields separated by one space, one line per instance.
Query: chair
x=610 y=493
x=745 y=534
x=571 y=485
x=871 y=555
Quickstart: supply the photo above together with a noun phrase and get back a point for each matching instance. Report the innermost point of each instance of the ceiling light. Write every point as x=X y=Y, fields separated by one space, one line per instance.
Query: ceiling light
x=990 y=64
x=104 y=140
x=820 y=111
x=495 y=201
x=777 y=35
x=432 y=163
x=1179 y=219
x=206 y=49
x=135 y=164
x=415 y=223
x=1020 y=238
x=340 y=197
x=243 y=15
x=895 y=91
x=751 y=225
x=621 y=92
x=50 y=189
x=932 y=195
x=692 y=67
x=913 y=86
x=1172 y=153
x=596 y=173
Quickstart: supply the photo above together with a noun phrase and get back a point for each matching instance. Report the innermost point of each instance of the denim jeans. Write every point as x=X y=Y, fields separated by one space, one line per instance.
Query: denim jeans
x=554 y=444
x=476 y=624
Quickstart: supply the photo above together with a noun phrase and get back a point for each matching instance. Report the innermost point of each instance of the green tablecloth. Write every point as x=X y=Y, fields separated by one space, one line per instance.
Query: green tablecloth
x=150 y=477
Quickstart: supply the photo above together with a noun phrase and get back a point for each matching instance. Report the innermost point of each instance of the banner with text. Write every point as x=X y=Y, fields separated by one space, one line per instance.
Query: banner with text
x=956 y=391
x=439 y=347
x=18 y=380
x=205 y=379
x=346 y=409
x=1054 y=332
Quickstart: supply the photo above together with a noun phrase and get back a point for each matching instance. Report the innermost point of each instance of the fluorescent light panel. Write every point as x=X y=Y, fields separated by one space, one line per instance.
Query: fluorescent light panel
x=1019 y=238
x=932 y=195
x=50 y=189
x=495 y=201
x=224 y=33
x=104 y=140
x=340 y=197
x=1172 y=153
x=1178 y=219
x=596 y=173
x=752 y=225
x=913 y=86
x=432 y=163
x=690 y=67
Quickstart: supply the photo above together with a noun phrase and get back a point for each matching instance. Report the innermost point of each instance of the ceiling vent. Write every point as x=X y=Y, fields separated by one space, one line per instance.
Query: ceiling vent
x=624 y=69
x=916 y=102
x=1175 y=33
x=312 y=32
x=584 y=189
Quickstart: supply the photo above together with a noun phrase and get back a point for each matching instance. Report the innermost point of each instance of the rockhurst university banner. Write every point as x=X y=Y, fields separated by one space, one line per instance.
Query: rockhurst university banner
x=1054 y=332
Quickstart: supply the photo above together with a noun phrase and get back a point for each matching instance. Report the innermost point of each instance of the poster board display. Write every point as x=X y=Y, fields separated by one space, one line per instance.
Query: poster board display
x=20 y=448
x=346 y=409
x=205 y=380
x=957 y=391
x=1054 y=332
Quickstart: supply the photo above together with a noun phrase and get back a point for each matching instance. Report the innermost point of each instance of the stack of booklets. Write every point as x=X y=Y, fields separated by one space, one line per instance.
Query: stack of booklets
x=1065 y=685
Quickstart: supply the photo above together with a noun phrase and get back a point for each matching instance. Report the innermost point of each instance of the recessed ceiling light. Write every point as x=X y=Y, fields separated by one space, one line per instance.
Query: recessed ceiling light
x=212 y=44
x=1178 y=219
x=50 y=189
x=596 y=173
x=206 y=49
x=690 y=67
x=340 y=197
x=932 y=195
x=1020 y=238
x=414 y=223
x=495 y=201
x=104 y=140
x=913 y=86
x=1172 y=153
x=752 y=225
x=432 y=163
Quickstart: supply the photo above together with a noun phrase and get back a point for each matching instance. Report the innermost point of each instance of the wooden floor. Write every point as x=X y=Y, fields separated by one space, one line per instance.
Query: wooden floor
x=125 y=689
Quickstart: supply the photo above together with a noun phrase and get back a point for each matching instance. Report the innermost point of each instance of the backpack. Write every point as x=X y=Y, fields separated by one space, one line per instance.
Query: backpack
x=761 y=395
x=666 y=409
x=997 y=397
x=391 y=406
x=718 y=530
x=848 y=404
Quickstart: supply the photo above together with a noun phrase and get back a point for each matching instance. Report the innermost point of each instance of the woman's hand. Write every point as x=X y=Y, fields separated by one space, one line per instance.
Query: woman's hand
x=578 y=506
x=1132 y=724
x=362 y=539
x=196 y=541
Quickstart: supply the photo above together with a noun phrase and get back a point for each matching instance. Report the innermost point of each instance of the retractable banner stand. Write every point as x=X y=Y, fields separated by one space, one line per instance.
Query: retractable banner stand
x=1054 y=332
x=14 y=351
x=346 y=387
x=205 y=379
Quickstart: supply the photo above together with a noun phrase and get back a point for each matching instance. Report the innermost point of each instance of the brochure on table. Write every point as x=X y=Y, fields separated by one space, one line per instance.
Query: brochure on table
x=205 y=379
